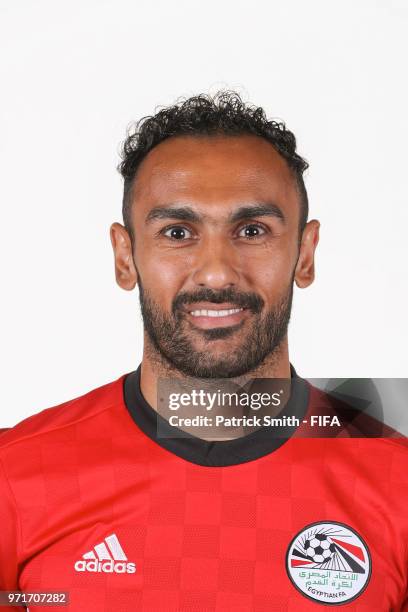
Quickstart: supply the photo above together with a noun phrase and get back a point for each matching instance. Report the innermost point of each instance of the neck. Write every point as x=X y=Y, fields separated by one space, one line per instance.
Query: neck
x=276 y=365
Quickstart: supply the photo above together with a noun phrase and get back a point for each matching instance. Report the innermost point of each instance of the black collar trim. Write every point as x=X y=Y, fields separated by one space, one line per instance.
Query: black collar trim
x=219 y=453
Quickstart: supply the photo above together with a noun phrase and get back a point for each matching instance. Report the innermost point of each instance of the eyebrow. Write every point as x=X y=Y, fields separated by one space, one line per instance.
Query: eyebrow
x=258 y=210
x=181 y=213
x=186 y=213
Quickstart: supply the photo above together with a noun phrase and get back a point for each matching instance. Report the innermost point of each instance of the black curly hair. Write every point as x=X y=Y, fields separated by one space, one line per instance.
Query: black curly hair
x=223 y=113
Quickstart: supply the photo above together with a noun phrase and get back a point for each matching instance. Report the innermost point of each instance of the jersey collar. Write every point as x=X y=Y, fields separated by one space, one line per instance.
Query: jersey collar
x=221 y=452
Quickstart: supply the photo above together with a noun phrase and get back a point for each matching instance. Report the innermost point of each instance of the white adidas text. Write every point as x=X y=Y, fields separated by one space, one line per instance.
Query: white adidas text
x=120 y=567
x=108 y=556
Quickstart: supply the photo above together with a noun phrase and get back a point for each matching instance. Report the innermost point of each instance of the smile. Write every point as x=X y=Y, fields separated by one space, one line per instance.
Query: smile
x=215 y=313
x=207 y=315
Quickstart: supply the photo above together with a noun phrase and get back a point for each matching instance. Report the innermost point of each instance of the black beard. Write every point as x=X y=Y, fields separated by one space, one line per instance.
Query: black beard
x=262 y=339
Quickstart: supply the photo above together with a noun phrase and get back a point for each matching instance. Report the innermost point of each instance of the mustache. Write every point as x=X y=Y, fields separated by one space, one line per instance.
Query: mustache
x=251 y=301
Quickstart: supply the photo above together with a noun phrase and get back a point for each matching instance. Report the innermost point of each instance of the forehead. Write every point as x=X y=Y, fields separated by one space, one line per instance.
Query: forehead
x=214 y=172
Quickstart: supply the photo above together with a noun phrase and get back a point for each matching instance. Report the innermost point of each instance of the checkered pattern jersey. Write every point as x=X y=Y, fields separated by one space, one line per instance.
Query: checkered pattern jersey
x=80 y=482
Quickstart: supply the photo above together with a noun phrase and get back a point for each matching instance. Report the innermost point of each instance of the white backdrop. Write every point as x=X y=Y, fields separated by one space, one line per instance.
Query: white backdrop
x=75 y=74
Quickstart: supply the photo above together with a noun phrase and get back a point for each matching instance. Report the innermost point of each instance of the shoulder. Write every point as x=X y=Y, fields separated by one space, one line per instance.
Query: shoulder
x=56 y=420
x=355 y=422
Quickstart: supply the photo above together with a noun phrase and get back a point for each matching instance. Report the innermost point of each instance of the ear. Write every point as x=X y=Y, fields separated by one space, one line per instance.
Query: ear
x=125 y=270
x=305 y=272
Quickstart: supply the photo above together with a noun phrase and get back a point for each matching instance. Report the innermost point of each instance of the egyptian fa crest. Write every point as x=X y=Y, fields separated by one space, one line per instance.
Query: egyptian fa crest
x=329 y=562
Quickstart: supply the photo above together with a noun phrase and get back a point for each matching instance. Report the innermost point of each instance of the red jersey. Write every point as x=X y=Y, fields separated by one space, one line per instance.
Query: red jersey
x=92 y=503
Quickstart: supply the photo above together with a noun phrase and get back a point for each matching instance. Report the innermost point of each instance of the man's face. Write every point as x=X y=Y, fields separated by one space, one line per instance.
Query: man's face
x=216 y=251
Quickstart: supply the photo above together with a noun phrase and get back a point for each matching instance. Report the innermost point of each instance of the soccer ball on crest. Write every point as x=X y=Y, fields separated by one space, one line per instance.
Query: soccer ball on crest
x=319 y=548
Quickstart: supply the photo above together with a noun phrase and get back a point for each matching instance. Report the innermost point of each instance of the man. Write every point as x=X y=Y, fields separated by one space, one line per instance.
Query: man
x=100 y=502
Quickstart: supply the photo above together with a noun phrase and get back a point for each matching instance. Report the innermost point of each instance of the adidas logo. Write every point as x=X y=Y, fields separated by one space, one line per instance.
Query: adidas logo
x=108 y=556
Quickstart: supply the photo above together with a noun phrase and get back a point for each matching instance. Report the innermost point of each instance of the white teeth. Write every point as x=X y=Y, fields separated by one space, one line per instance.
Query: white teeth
x=215 y=313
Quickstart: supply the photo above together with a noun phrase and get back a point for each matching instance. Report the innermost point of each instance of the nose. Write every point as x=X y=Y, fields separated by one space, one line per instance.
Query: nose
x=216 y=265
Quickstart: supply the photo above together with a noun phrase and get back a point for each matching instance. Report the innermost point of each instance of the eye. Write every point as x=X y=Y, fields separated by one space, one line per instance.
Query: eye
x=177 y=232
x=252 y=230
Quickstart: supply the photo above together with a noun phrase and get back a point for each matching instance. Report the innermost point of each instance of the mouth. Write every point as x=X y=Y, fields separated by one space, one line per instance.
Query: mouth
x=207 y=315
